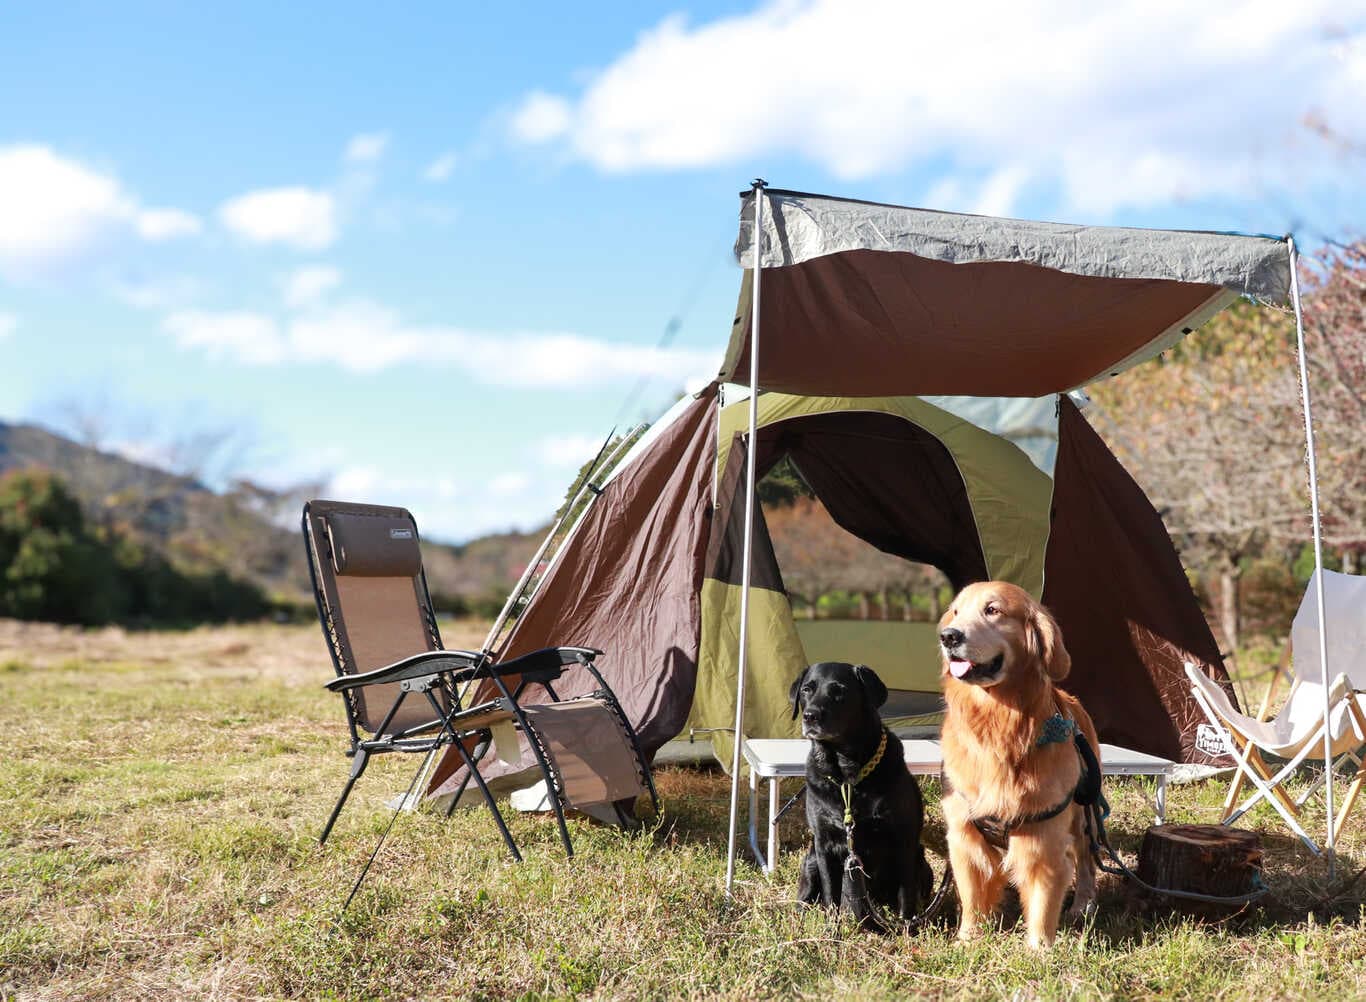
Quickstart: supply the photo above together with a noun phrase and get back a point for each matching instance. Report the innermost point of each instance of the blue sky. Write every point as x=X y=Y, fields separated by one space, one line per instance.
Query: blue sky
x=425 y=253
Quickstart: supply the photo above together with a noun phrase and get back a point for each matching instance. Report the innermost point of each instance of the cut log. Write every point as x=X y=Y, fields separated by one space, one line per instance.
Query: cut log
x=1206 y=859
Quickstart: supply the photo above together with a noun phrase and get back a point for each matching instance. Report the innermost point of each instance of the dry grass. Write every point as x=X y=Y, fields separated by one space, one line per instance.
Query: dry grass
x=159 y=800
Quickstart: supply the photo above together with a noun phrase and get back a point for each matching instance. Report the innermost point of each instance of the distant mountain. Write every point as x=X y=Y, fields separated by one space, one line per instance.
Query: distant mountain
x=250 y=532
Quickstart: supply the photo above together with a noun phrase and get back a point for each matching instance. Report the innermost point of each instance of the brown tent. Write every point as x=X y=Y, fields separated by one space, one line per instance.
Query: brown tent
x=880 y=304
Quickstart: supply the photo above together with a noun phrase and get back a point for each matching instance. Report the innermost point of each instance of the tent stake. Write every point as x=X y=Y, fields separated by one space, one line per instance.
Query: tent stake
x=1318 y=549
x=750 y=454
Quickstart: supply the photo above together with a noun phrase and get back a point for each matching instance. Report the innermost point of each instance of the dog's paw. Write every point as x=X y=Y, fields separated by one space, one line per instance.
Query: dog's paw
x=1039 y=942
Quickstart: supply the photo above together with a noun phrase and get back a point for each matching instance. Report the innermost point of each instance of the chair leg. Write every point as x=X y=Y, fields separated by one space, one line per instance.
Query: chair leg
x=1277 y=791
x=479 y=751
x=1239 y=780
x=488 y=799
x=1346 y=808
x=358 y=764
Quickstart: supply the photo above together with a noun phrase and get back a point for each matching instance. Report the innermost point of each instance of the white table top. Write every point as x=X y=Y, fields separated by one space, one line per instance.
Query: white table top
x=787 y=757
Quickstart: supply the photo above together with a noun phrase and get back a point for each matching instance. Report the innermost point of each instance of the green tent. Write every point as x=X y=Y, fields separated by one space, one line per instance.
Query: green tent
x=909 y=477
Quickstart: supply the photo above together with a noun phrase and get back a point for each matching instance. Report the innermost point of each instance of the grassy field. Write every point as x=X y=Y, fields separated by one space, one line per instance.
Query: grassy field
x=160 y=796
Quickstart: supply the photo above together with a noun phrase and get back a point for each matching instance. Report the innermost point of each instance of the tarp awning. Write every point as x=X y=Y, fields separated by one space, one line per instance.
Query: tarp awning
x=910 y=301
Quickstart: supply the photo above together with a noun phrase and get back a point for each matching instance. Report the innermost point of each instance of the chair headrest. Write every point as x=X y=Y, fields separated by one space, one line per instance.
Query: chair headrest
x=373 y=545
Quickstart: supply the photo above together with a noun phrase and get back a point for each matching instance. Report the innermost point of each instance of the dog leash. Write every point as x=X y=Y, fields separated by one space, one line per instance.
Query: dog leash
x=853 y=864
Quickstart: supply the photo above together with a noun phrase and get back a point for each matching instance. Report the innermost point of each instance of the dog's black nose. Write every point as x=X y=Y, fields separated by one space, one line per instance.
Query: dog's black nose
x=809 y=716
x=951 y=637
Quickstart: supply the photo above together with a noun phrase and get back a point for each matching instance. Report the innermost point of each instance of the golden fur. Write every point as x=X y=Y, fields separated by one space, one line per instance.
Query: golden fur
x=994 y=767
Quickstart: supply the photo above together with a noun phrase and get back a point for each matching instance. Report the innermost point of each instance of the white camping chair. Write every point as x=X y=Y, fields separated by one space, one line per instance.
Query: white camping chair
x=1295 y=734
x=1345 y=601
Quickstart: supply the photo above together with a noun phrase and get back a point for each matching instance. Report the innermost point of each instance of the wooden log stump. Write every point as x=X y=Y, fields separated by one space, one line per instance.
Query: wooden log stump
x=1206 y=859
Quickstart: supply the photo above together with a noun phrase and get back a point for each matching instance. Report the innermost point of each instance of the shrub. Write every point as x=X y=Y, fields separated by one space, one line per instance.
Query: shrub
x=53 y=566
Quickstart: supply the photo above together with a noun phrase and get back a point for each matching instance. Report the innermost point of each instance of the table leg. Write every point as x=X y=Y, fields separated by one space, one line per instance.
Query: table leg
x=754 y=820
x=1162 y=799
x=772 y=824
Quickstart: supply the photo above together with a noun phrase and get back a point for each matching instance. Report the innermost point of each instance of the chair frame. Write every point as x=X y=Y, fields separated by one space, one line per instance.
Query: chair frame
x=445 y=675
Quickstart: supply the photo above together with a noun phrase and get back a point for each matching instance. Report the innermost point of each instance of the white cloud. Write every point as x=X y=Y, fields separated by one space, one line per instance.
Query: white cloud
x=542 y=117
x=1100 y=105
x=54 y=209
x=441 y=168
x=363 y=336
x=308 y=285
x=297 y=216
x=243 y=336
x=8 y=322
x=166 y=224
x=366 y=147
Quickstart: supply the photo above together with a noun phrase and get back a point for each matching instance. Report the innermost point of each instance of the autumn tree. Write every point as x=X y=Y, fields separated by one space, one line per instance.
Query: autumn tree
x=1214 y=430
x=1335 y=321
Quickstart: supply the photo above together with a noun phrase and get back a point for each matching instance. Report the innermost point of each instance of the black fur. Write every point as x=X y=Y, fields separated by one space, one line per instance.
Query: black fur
x=838 y=705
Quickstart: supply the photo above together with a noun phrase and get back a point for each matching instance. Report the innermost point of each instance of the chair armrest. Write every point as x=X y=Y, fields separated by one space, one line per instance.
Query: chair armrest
x=545 y=665
x=426 y=663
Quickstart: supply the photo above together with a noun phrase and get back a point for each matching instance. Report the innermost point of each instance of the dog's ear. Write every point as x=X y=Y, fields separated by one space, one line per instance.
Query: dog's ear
x=1046 y=639
x=794 y=693
x=872 y=685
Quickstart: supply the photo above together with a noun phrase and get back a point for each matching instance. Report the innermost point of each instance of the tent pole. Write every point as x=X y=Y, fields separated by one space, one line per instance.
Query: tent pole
x=1318 y=547
x=750 y=454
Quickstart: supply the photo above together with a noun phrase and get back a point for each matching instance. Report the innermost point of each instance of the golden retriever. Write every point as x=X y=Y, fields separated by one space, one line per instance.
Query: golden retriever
x=1002 y=654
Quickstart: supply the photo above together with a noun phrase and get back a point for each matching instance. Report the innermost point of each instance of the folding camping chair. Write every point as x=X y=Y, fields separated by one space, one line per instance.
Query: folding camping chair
x=380 y=627
x=1295 y=734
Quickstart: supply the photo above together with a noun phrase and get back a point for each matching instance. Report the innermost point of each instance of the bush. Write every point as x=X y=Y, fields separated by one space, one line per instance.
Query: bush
x=53 y=566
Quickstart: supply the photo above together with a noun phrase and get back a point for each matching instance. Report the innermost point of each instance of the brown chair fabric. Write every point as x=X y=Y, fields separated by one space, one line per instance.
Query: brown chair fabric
x=373 y=620
x=384 y=624
x=591 y=752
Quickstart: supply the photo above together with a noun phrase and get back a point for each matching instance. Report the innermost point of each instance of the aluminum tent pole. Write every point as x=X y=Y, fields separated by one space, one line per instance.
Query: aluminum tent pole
x=1318 y=546
x=750 y=452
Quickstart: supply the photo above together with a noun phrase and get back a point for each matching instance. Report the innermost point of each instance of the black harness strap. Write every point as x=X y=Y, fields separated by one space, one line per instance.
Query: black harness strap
x=997 y=832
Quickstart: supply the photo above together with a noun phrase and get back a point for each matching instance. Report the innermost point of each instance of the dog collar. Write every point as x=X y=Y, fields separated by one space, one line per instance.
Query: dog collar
x=847 y=789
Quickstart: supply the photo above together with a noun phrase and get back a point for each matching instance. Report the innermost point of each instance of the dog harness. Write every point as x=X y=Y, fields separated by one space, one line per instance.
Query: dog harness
x=1056 y=729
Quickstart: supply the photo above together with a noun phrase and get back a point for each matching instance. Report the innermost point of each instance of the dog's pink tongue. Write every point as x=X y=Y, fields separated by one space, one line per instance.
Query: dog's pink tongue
x=959 y=668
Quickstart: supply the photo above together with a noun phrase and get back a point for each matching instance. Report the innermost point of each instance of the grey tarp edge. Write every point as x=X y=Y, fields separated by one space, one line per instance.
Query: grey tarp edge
x=799 y=227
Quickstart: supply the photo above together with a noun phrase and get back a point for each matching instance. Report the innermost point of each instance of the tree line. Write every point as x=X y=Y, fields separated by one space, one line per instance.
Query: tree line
x=56 y=565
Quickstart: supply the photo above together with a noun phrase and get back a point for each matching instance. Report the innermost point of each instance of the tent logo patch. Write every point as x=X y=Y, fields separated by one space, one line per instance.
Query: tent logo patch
x=1212 y=741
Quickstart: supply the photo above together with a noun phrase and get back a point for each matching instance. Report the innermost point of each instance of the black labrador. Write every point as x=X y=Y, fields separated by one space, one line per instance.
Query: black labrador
x=838 y=704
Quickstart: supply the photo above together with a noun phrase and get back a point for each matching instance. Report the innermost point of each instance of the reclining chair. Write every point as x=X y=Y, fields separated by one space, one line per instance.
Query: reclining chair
x=380 y=628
